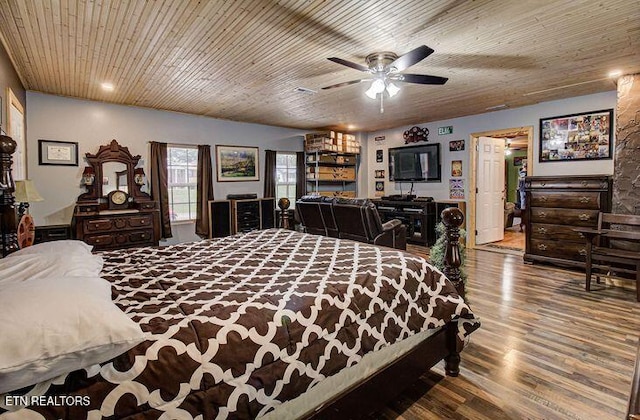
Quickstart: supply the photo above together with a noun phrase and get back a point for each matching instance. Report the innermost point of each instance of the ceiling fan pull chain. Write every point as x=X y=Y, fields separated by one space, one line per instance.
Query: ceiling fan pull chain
x=382 y=103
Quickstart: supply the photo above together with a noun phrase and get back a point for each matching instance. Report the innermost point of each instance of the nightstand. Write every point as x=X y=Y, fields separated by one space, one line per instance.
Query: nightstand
x=52 y=233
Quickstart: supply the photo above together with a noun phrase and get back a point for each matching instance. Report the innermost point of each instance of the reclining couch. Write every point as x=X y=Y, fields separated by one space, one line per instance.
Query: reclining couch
x=349 y=218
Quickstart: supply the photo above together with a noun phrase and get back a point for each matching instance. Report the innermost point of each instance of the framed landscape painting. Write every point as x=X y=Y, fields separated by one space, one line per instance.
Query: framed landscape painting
x=585 y=136
x=237 y=163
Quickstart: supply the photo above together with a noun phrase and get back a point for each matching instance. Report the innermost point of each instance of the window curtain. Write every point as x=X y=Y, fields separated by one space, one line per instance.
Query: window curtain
x=270 y=174
x=301 y=183
x=160 y=186
x=204 y=190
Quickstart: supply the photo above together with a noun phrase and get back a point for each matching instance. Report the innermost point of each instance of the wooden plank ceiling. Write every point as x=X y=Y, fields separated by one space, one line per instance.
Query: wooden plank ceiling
x=242 y=60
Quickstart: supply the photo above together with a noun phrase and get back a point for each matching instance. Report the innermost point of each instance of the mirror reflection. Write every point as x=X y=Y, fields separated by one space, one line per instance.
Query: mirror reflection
x=114 y=177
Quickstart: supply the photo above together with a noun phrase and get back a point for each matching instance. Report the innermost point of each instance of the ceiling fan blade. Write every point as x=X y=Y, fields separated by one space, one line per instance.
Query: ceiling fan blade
x=412 y=57
x=422 y=79
x=352 y=82
x=349 y=64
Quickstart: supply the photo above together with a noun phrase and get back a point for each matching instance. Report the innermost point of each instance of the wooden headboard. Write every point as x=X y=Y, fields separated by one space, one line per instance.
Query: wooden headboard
x=8 y=226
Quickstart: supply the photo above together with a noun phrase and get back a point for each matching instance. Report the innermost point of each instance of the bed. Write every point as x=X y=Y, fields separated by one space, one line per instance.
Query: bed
x=252 y=325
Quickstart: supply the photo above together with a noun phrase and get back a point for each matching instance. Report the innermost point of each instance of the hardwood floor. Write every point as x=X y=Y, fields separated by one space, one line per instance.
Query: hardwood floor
x=546 y=349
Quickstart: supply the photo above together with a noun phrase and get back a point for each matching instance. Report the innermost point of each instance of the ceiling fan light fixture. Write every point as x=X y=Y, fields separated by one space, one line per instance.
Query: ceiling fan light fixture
x=370 y=93
x=377 y=86
x=392 y=89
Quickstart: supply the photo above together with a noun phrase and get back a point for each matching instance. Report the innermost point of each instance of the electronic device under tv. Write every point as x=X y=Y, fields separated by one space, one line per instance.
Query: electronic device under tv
x=419 y=163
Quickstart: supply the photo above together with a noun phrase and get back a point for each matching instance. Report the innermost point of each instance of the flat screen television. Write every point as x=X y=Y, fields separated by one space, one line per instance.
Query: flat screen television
x=419 y=163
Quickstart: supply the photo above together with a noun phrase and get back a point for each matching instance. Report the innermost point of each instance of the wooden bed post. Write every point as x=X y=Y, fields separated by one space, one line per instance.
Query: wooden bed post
x=8 y=227
x=452 y=218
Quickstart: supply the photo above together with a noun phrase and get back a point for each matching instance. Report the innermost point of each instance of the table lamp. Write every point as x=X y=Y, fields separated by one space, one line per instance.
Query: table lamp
x=24 y=194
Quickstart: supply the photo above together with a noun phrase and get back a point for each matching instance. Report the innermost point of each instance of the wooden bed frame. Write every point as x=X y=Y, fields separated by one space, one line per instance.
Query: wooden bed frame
x=361 y=399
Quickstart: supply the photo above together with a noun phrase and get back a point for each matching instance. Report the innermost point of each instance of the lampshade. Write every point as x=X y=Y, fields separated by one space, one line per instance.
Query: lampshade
x=376 y=87
x=26 y=192
x=392 y=89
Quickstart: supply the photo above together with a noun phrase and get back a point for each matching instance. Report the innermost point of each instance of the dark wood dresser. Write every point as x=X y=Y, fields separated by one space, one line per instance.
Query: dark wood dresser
x=554 y=206
x=116 y=229
x=115 y=212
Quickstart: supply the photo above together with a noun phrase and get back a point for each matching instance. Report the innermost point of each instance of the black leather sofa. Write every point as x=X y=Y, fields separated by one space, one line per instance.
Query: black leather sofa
x=349 y=218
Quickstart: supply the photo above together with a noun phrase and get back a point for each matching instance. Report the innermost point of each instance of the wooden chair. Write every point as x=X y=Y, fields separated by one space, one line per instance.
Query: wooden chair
x=613 y=248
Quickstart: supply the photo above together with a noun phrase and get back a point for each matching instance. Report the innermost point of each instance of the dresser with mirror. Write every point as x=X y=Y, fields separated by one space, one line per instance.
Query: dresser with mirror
x=115 y=212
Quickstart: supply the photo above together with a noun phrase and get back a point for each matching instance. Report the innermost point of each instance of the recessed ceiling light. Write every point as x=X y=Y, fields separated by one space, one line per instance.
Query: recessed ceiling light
x=107 y=86
x=615 y=73
x=351 y=127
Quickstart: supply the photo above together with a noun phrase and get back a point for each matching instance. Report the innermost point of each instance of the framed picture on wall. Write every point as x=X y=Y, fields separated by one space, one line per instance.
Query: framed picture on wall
x=585 y=136
x=61 y=153
x=237 y=163
x=456 y=168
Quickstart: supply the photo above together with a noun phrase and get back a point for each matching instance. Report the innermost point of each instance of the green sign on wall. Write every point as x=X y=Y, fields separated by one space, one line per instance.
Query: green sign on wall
x=445 y=130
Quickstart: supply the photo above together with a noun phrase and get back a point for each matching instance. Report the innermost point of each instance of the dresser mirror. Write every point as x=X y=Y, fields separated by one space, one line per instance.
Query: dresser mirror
x=114 y=177
x=112 y=169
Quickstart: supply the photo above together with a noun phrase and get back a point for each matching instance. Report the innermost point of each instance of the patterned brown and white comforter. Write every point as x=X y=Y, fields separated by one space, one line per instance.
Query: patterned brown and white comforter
x=242 y=323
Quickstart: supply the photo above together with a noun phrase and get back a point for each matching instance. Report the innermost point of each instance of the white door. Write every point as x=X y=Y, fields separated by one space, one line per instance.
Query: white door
x=490 y=195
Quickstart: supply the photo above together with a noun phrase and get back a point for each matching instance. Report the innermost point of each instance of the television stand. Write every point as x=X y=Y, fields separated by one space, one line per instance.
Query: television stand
x=399 y=197
x=419 y=216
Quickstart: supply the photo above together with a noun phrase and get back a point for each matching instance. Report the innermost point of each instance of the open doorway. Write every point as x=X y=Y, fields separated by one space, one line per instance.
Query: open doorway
x=518 y=153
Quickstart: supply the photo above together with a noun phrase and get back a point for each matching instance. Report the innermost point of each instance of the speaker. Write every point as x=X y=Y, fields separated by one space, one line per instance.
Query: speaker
x=219 y=219
x=268 y=212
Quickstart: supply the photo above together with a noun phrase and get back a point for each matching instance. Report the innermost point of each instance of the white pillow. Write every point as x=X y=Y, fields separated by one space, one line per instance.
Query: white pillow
x=64 y=247
x=28 y=266
x=53 y=326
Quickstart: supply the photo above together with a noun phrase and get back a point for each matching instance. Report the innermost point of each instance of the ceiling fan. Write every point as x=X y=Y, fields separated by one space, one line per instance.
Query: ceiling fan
x=385 y=68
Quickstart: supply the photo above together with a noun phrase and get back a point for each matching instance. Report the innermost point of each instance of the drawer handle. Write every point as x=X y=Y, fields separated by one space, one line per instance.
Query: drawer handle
x=583 y=252
x=543 y=198
x=542 y=215
x=543 y=183
x=584 y=200
x=142 y=222
x=584 y=183
x=542 y=230
x=584 y=217
x=580 y=234
x=542 y=247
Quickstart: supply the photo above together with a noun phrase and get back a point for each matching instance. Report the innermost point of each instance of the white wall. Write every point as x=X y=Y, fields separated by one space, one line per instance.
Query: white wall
x=462 y=129
x=93 y=124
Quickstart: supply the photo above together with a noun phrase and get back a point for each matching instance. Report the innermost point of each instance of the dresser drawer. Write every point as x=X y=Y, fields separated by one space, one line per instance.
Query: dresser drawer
x=572 y=200
x=100 y=241
x=98 y=225
x=570 y=217
x=559 y=249
x=555 y=232
x=561 y=183
x=140 y=221
x=120 y=239
x=140 y=236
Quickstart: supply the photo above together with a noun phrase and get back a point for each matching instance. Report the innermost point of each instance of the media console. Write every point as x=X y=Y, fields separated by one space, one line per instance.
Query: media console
x=419 y=216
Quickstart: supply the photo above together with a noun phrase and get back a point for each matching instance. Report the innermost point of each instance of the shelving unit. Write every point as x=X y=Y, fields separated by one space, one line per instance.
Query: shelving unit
x=331 y=164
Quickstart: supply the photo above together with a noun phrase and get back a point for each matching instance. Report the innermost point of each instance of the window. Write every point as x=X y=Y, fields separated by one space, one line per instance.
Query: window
x=182 y=168
x=286 y=176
